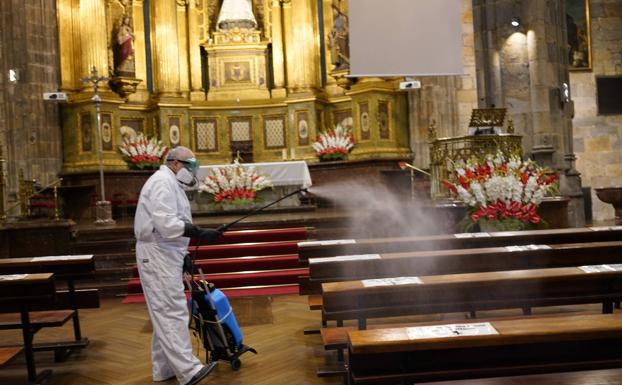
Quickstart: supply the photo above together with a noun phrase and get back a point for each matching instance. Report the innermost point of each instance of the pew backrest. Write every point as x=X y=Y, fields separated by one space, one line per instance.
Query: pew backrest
x=328 y=248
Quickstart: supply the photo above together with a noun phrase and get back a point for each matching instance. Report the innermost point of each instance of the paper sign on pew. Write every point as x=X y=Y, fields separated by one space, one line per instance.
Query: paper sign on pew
x=341 y=258
x=327 y=243
x=606 y=228
x=527 y=247
x=61 y=258
x=391 y=281
x=472 y=235
x=601 y=268
x=12 y=277
x=453 y=330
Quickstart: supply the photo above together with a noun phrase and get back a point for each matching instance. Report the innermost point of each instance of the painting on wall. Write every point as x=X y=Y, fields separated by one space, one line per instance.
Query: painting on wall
x=364 y=120
x=174 y=130
x=579 y=37
x=383 y=120
x=86 y=132
x=302 y=127
x=106 y=131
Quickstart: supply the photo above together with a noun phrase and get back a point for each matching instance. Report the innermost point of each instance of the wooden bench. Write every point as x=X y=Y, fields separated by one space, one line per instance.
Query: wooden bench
x=330 y=248
x=8 y=353
x=67 y=301
x=524 y=289
x=526 y=346
x=18 y=293
x=334 y=269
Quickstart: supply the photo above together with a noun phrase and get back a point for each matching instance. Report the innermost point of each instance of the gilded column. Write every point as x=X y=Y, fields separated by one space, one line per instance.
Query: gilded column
x=93 y=41
x=66 y=44
x=194 y=43
x=288 y=49
x=182 y=39
x=166 y=48
x=140 y=57
x=303 y=52
x=278 y=57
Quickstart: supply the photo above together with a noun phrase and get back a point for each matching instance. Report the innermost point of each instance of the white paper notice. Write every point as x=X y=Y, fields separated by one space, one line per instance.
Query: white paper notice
x=454 y=330
x=12 y=277
x=61 y=258
x=341 y=258
x=601 y=228
x=616 y=267
x=527 y=247
x=597 y=268
x=481 y=235
x=464 y=235
x=327 y=243
x=391 y=281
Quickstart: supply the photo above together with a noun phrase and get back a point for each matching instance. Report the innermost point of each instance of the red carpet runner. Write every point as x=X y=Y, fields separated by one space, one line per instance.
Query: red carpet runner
x=245 y=263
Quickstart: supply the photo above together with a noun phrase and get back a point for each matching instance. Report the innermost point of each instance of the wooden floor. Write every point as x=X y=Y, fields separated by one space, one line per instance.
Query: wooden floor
x=120 y=339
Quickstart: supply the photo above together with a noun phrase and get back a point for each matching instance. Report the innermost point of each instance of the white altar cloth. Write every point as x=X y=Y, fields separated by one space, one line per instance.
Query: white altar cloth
x=294 y=173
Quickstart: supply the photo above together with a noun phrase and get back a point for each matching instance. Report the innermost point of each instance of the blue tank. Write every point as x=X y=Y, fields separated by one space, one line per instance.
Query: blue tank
x=225 y=314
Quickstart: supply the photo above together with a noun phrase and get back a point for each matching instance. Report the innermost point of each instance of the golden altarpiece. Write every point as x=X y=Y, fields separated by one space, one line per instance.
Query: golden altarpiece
x=255 y=77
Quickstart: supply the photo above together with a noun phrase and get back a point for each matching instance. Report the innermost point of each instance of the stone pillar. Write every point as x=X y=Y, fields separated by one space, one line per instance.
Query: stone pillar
x=166 y=54
x=523 y=69
x=93 y=39
x=447 y=100
x=30 y=133
x=278 y=55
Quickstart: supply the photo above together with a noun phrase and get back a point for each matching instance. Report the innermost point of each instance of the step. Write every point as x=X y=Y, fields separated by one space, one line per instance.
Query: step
x=244 y=249
x=228 y=265
x=267 y=235
x=235 y=292
x=240 y=279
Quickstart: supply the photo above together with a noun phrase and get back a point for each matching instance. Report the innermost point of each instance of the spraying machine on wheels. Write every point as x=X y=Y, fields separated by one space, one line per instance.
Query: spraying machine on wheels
x=212 y=316
x=214 y=321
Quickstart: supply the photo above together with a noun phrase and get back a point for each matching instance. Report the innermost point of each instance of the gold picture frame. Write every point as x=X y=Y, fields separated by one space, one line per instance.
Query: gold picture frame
x=579 y=37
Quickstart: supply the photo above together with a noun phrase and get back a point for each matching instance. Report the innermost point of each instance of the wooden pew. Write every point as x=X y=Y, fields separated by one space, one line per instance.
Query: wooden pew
x=469 y=292
x=67 y=268
x=18 y=293
x=525 y=346
x=334 y=269
x=329 y=248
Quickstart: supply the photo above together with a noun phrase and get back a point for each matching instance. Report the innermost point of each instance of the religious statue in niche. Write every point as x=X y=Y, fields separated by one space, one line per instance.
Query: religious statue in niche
x=338 y=40
x=236 y=14
x=124 y=63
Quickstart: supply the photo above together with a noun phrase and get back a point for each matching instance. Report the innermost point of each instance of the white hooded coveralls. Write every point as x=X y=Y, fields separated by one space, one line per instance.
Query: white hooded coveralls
x=163 y=208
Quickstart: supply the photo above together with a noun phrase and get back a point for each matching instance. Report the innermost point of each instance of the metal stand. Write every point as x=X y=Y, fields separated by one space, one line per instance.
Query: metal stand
x=103 y=212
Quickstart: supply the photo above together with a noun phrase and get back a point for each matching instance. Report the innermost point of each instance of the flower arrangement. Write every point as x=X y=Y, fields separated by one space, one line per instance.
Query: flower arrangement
x=334 y=144
x=141 y=153
x=234 y=184
x=503 y=192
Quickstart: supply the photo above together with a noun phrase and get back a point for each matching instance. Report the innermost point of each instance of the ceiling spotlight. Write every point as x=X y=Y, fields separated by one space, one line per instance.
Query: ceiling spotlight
x=515 y=22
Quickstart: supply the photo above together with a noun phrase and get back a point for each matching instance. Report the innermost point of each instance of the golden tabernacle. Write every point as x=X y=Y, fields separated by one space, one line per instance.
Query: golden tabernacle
x=258 y=78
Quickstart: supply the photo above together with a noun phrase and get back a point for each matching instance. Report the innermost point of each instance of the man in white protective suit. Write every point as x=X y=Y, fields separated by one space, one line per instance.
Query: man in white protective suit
x=163 y=227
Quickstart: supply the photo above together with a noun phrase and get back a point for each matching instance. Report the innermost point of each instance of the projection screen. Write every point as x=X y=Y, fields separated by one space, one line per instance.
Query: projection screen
x=405 y=37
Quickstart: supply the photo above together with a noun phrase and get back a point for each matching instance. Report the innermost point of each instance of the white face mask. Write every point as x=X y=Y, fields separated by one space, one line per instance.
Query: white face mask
x=185 y=177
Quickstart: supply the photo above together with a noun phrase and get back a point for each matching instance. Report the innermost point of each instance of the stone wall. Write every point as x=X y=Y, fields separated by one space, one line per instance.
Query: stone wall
x=598 y=138
x=30 y=133
x=448 y=100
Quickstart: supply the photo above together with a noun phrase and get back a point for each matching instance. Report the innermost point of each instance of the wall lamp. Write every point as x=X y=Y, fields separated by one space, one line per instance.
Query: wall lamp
x=515 y=22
